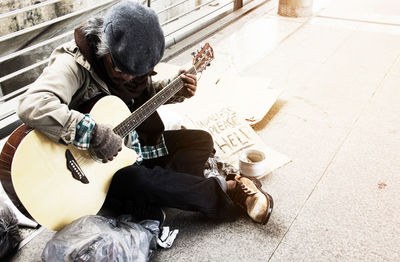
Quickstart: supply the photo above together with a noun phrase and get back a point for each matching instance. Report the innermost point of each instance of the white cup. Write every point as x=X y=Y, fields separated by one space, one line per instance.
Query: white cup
x=252 y=162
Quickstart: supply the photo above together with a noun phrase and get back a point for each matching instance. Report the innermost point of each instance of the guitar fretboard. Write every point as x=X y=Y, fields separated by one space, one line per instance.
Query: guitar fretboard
x=148 y=108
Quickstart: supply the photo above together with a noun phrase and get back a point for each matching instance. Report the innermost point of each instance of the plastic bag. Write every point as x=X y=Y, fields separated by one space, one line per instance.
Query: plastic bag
x=216 y=167
x=97 y=238
x=9 y=231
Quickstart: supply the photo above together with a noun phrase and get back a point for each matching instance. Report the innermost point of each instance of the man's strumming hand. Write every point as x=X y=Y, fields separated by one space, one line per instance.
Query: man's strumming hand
x=105 y=143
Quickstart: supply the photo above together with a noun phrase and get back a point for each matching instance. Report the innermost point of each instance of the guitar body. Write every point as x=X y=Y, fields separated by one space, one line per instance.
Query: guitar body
x=47 y=188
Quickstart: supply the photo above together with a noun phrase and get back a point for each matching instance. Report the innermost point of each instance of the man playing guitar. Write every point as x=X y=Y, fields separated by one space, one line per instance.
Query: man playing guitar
x=116 y=55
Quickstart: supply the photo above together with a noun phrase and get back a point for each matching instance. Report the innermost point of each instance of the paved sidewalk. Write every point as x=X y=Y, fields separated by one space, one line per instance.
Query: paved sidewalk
x=337 y=119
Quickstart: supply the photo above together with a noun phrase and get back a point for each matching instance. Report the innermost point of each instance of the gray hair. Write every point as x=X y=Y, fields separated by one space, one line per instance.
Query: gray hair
x=93 y=31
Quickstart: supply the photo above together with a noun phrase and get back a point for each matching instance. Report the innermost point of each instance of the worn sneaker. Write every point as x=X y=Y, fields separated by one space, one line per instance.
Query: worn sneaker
x=248 y=194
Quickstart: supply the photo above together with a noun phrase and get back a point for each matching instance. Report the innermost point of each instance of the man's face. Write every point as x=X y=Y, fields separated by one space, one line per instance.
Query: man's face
x=124 y=84
x=114 y=73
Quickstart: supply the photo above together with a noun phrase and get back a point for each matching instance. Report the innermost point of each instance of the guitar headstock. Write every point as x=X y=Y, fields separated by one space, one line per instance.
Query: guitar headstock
x=203 y=58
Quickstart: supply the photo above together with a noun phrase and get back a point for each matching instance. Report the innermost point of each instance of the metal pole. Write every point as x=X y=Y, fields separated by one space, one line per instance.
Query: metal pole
x=295 y=8
x=237 y=4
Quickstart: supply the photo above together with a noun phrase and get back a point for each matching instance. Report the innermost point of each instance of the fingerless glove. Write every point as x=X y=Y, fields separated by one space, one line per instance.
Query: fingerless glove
x=104 y=142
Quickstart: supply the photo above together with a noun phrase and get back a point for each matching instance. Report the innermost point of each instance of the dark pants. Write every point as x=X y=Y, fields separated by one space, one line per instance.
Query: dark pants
x=175 y=180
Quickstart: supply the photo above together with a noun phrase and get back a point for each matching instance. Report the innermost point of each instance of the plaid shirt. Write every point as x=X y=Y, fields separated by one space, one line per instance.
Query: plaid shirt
x=86 y=125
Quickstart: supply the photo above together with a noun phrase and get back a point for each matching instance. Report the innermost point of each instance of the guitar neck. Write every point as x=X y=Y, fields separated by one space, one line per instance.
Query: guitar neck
x=151 y=105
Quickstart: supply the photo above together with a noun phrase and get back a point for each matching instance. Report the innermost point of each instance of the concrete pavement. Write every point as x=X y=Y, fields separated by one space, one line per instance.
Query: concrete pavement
x=337 y=119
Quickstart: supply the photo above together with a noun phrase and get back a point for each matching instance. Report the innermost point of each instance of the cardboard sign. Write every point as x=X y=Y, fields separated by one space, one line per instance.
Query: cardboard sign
x=230 y=133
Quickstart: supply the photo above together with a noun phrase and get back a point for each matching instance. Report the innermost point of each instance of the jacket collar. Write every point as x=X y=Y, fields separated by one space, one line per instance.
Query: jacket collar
x=86 y=56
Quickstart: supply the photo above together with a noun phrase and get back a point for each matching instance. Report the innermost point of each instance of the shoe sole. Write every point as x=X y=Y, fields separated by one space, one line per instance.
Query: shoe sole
x=258 y=184
x=270 y=206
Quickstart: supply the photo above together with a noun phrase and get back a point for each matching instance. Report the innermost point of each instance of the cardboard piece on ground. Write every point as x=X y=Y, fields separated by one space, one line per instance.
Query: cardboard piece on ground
x=165 y=71
x=248 y=95
x=251 y=96
x=232 y=134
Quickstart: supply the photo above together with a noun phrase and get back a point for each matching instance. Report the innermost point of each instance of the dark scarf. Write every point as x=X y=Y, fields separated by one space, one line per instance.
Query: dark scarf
x=151 y=129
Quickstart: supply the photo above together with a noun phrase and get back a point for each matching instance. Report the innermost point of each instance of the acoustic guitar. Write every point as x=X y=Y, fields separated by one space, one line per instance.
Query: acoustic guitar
x=58 y=184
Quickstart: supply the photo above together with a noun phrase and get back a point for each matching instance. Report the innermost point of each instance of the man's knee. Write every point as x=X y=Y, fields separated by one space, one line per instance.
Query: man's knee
x=127 y=177
x=206 y=140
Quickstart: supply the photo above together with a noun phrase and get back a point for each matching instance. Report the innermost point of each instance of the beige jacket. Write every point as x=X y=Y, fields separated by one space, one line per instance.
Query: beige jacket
x=67 y=81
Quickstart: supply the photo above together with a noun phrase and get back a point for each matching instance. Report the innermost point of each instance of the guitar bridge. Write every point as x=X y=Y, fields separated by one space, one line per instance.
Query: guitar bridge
x=74 y=167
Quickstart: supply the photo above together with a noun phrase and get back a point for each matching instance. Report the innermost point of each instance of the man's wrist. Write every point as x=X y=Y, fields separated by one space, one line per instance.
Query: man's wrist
x=83 y=132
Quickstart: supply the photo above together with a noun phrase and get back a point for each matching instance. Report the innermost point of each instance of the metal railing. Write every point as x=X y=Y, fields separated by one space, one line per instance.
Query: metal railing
x=193 y=19
x=28 y=8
